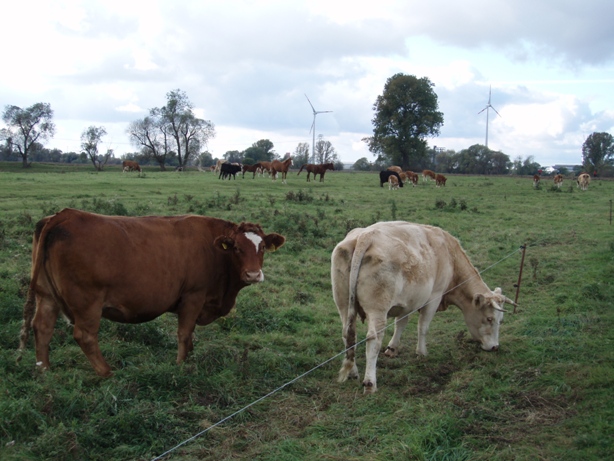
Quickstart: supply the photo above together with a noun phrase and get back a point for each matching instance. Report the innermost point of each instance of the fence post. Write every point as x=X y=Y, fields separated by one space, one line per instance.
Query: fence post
x=517 y=285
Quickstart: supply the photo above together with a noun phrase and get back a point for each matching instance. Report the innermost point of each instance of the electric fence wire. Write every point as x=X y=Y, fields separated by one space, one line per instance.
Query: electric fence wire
x=264 y=397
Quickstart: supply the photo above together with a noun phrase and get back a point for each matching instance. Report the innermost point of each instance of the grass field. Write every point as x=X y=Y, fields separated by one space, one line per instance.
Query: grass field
x=546 y=394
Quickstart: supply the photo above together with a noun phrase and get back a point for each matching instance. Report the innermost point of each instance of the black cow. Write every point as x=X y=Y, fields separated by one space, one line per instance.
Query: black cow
x=228 y=169
x=384 y=175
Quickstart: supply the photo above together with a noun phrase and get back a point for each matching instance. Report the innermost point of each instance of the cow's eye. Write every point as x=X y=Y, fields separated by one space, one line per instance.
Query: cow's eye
x=490 y=319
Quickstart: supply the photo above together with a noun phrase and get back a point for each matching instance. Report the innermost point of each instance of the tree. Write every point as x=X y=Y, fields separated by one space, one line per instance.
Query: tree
x=90 y=140
x=405 y=114
x=598 y=152
x=266 y=148
x=28 y=126
x=324 y=151
x=362 y=164
x=301 y=155
x=189 y=132
x=479 y=159
x=151 y=135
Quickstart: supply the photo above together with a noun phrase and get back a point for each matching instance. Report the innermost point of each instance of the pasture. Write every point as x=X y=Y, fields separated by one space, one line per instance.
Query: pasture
x=546 y=394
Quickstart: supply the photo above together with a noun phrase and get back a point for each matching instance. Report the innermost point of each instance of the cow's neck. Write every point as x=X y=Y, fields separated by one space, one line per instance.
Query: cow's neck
x=465 y=285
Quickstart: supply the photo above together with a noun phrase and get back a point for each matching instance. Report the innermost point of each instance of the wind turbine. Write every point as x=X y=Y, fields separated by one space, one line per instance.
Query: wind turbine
x=487 y=108
x=313 y=128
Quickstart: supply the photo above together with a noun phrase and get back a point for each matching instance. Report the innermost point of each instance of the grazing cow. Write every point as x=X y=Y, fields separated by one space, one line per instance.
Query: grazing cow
x=319 y=169
x=87 y=267
x=391 y=269
x=426 y=174
x=251 y=169
x=129 y=165
x=398 y=169
x=278 y=166
x=393 y=182
x=583 y=181
x=412 y=177
x=536 y=179
x=558 y=180
x=384 y=175
x=440 y=180
x=229 y=169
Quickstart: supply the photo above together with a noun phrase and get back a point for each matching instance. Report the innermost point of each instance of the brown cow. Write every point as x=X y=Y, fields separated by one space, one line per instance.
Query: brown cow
x=426 y=174
x=412 y=177
x=558 y=180
x=134 y=269
x=393 y=182
x=278 y=166
x=536 y=179
x=130 y=165
x=319 y=169
x=398 y=169
x=440 y=180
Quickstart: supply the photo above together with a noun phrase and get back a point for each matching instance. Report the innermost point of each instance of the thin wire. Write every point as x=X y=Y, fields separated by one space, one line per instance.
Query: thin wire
x=264 y=397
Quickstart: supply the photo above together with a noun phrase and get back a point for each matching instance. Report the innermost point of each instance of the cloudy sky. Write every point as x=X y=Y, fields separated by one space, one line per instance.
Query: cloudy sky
x=246 y=65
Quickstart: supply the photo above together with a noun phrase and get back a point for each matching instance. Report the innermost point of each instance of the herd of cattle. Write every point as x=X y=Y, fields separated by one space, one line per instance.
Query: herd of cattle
x=583 y=180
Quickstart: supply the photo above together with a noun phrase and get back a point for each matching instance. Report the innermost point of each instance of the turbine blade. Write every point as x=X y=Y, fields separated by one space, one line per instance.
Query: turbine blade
x=482 y=110
x=313 y=124
x=312 y=108
x=496 y=111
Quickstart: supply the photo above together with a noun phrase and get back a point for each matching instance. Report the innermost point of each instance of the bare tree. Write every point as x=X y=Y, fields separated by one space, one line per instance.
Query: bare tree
x=90 y=140
x=151 y=135
x=26 y=127
x=324 y=151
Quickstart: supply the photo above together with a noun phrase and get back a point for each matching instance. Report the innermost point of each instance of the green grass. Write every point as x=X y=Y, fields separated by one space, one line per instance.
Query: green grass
x=547 y=394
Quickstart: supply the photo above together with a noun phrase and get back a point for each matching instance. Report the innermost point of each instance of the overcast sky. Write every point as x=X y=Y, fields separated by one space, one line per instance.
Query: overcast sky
x=247 y=66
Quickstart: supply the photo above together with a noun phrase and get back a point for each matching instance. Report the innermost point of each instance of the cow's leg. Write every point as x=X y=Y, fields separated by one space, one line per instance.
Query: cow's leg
x=426 y=315
x=349 y=368
x=392 y=350
x=375 y=335
x=43 y=324
x=85 y=333
x=187 y=317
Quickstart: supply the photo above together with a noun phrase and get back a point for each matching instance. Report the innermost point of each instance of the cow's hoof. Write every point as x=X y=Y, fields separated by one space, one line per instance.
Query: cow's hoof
x=369 y=387
x=391 y=352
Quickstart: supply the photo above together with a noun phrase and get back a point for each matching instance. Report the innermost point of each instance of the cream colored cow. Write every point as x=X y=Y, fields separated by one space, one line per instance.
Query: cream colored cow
x=393 y=182
x=583 y=181
x=391 y=269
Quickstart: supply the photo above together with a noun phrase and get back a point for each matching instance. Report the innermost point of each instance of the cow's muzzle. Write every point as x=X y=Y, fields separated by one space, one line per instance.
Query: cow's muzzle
x=253 y=277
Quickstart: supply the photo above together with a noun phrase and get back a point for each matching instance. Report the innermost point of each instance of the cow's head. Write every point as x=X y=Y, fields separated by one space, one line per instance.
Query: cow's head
x=485 y=317
x=246 y=247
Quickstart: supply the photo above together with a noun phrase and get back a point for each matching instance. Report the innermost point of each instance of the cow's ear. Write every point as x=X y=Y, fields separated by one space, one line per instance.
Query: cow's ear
x=274 y=241
x=224 y=243
x=478 y=300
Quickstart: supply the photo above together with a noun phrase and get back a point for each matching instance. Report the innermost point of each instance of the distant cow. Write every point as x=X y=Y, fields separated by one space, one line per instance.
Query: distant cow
x=218 y=166
x=229 y=169
x=134 y=269
x=583 y=181
x=426 y=174
x=440 y=180
x=384 y=175
x=536 y=179
x=391 y=269
x=412 y=177
x=558 y=180
x=398 y=169
x=393 y=182
x=130 y=165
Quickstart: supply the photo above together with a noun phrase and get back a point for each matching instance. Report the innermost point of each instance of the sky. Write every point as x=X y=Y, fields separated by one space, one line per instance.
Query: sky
x=248 y=66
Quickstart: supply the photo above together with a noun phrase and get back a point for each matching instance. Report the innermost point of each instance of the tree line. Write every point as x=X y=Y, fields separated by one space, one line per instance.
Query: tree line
x=405 y=115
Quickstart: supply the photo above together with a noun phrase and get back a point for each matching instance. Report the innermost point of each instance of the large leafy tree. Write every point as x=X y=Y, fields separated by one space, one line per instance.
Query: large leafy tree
x=405 y=115
x=28 y=126
x=189 y=132
x=598 y=152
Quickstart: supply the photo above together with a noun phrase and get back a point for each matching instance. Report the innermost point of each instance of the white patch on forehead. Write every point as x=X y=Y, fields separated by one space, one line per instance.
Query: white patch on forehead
x=255 y=239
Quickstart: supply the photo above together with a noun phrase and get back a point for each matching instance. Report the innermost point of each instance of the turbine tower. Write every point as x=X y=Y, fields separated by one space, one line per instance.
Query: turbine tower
x=313 y=128
x=487 y=108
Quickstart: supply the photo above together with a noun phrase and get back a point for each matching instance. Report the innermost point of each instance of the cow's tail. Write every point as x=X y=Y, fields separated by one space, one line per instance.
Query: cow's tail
x=363 y=243
x=38 y=257
x=299 y=171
